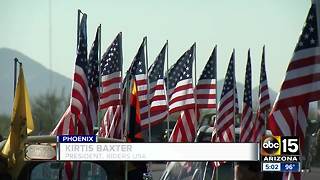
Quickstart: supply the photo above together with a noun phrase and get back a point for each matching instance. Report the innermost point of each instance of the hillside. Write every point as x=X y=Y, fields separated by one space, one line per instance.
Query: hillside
x=37 y=77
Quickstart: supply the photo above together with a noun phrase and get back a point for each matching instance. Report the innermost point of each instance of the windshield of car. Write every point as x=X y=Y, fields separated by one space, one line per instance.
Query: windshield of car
x=187 y=171
x=58 y=171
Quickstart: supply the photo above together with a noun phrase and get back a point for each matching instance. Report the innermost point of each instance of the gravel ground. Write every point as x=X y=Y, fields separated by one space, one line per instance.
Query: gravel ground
x=313 y=175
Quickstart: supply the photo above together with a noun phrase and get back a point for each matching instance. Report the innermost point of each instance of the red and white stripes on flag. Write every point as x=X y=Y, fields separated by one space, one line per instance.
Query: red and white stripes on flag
x=224 y=124
x=214 y=164
x=116 y=126
x=106 y=122
x=93 y=83
x=80 y=90
x=142 y=86
x=206 y=89
x=179 y=82
x=111 y=125
x=111 y=68
x=84 y=94
x=264 y=103
x=157 y=93
x=111 y=89
x=65 y=124
x=158 y=103
x=246 y=123
x=182 y=97
x=290 y=121
x=186 y=127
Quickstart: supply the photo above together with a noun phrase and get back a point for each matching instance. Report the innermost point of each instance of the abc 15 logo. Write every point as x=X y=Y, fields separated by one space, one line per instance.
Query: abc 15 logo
x=280 y=145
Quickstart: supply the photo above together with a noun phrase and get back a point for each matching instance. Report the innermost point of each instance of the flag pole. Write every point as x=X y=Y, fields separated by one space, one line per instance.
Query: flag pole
x=121 y=90
x=75 y=164
x=318 y=25
x=50 y=52
x=78 y=33
x=234 y=94
x=216 y=68
x=167 y=85
x=148 y=98
x=99 y=71
x=50 y=45
x=265 y=114
x=215 y=171
x=234 y=101
x=318 y=114
x=148 y=87
x=78 y=24
x=15 y=76
x=127 y=104
x=205 y=171
x=16 y=61
x=195 y=83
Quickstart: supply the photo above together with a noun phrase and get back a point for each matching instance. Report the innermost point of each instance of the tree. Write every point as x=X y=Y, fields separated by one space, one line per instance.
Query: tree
x=47 y=109
x=4 y=125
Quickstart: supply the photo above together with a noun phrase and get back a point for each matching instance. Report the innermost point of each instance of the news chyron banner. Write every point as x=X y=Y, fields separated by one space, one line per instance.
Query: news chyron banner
x=280 y=154
x=88 y=148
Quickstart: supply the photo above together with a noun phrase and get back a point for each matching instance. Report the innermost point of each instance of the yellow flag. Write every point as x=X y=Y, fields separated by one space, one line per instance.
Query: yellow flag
x=21 y=122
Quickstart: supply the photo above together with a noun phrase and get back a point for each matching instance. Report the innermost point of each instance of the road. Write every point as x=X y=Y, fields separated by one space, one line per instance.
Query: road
x=313 y=175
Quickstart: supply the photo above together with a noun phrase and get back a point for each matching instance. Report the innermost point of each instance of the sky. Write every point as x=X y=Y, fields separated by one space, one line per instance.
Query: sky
x=25 y=27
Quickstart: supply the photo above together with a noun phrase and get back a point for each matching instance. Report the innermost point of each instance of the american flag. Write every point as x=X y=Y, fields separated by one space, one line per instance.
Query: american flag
x=180 y=87
x=93 y=93
x=206 y=88
x=106 y=122
x=157 y=94
x=111 y=124
x=138 y=71
x=111 y=67
x=83 y=81
x=82 y=95
x=301 y=84
x=302 y=80
x=185 y=128
x=290 y=121
x=79 y=93
x=264 y=103
x=65 y=125
x=246 y=123
x=224 y=124
x=116 y=125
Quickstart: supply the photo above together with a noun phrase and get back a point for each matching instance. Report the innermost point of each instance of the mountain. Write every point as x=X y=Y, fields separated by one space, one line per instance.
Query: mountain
x=37 y=78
